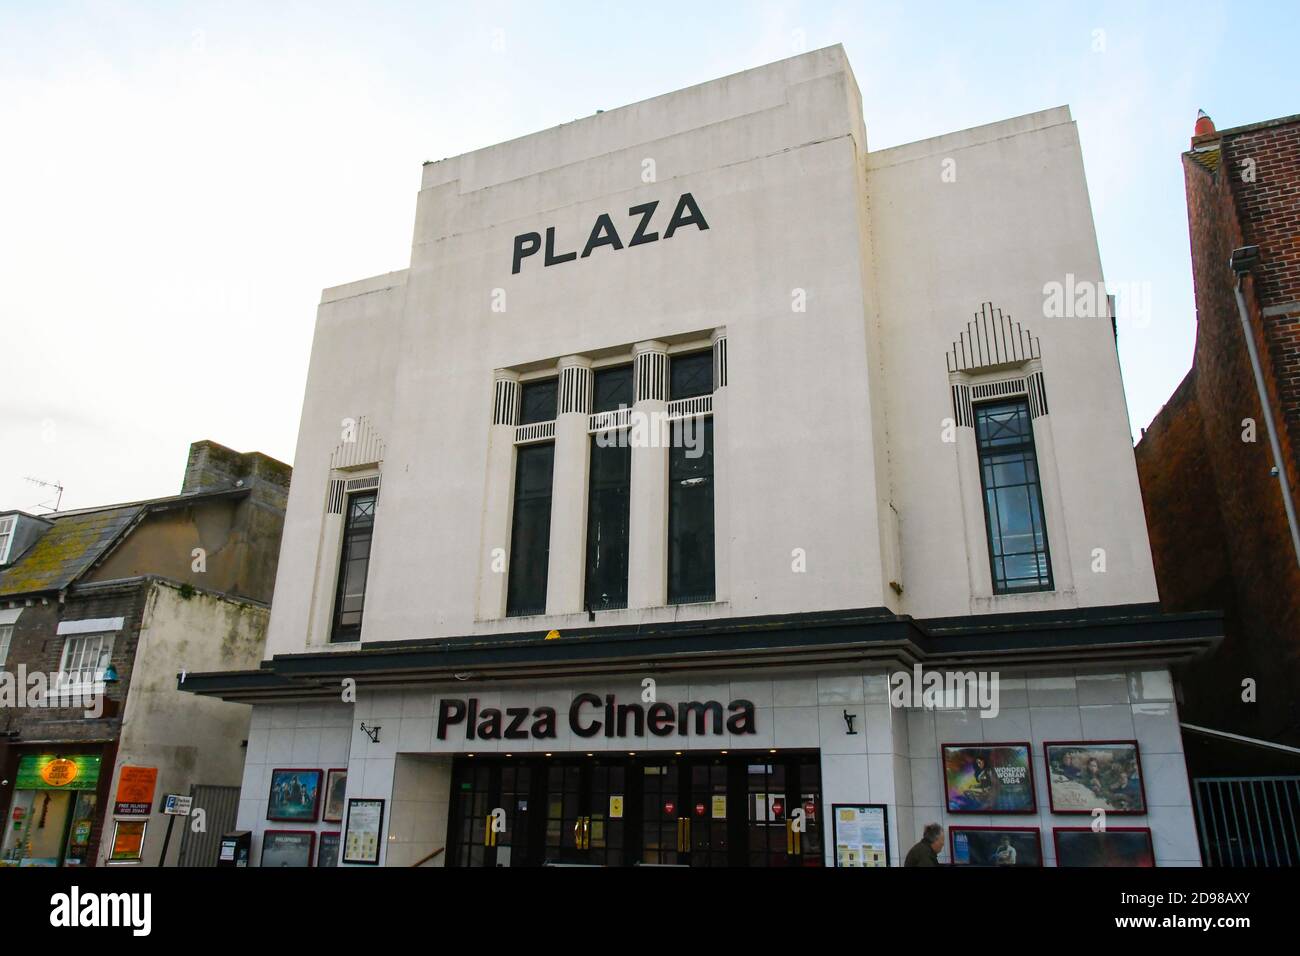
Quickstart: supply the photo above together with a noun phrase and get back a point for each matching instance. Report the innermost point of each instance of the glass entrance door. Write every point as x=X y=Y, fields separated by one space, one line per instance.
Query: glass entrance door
x=661 y=818
x=492 y=814
x=783 y=810
x=707 y=811
x=586 y=811
x=698 y=809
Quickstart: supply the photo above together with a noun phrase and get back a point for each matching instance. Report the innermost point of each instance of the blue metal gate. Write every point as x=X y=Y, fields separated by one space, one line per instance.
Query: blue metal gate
x=1248 y=821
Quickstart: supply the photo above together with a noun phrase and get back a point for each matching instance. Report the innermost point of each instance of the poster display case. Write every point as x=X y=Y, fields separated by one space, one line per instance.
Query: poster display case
x=861 y=834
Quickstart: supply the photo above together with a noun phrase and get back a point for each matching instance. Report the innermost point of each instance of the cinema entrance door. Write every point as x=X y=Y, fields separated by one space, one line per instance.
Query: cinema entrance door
x=688 y=809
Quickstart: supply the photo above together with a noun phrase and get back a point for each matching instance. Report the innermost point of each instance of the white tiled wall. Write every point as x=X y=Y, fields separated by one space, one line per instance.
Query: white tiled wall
x=311 y=736
x=893 y=758
x=421 y=801
x=1084 y=705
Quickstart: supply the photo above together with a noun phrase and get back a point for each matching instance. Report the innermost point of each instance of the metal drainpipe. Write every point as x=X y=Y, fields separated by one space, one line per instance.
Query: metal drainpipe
x=1278 y=464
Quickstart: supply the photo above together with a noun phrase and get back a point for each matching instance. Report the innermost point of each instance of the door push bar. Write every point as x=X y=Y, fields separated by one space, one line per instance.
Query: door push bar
x=683 y=834
x=582 y=833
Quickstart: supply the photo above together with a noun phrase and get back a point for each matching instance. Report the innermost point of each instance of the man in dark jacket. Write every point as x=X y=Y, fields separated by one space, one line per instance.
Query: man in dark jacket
x=926 y=852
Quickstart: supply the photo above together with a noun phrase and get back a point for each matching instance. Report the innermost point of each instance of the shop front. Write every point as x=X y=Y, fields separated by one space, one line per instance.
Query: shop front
x=51 y=816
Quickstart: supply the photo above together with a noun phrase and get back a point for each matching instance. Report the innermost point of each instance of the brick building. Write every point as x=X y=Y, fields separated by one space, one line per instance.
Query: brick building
x=1218 y=526
x=100 y=608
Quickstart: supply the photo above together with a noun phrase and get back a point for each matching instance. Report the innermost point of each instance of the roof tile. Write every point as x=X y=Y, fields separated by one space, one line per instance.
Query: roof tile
x=66 y=550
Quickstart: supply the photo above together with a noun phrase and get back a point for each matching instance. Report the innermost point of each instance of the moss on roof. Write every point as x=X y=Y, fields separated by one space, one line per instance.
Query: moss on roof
x=1207 y=158
x=66 y=550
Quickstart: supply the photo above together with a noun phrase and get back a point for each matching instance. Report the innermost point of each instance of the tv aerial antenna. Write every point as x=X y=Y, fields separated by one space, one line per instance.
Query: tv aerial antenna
x=58 y=488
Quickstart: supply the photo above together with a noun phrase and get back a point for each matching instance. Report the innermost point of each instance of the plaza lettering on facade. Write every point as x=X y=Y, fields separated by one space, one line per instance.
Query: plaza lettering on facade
x=603 y=233
x=590 y=716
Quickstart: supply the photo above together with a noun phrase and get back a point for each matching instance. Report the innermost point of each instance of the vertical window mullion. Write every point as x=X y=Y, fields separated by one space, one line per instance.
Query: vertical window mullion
x=68 y=668
x=79 y=659
x=89 y=657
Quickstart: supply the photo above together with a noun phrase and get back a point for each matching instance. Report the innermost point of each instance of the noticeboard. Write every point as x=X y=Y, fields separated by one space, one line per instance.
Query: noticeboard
x=861 y=834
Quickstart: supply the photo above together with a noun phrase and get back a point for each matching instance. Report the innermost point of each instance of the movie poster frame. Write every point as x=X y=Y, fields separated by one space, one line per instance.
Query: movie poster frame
x=324 y=803
x=320 y=846
x=952 y=846
x=1137 y=758
x=1056 y=843
x=316 y=807
x=1029 y=768
x=311 y=846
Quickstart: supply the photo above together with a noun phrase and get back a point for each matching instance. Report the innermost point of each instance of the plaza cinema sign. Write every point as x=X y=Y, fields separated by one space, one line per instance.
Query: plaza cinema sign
x=605 y=233
x=590 y=716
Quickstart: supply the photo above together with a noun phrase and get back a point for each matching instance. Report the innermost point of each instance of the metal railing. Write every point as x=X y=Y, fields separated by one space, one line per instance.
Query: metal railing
x=432 y=856
x=1248 y=821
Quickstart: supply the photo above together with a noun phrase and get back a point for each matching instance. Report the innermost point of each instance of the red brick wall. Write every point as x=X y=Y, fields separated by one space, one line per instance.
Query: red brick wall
x=1263 y=163
x=1218 y=528
x=1182 y=506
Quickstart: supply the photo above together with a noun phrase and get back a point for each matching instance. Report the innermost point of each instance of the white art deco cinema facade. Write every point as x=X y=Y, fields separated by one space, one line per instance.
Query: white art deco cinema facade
x=688 y=425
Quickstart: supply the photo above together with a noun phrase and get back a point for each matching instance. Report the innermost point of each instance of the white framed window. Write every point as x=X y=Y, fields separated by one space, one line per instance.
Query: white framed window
x=85 y=658
x=6 y=635
x=6 y=536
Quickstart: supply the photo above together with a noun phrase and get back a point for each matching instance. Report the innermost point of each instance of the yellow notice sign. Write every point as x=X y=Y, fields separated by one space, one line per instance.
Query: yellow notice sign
x=719 y=807
x=615 y=807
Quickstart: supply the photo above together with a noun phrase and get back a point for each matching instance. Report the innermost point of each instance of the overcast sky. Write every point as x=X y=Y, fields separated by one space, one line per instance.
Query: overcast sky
x=179 y=181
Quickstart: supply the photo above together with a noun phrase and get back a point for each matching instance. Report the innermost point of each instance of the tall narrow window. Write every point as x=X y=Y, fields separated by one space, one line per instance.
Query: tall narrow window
x=354 y=566
x=609 y=497
x=1013 y=500
x=690 y=486
x=6 y=536
x=530 y=530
